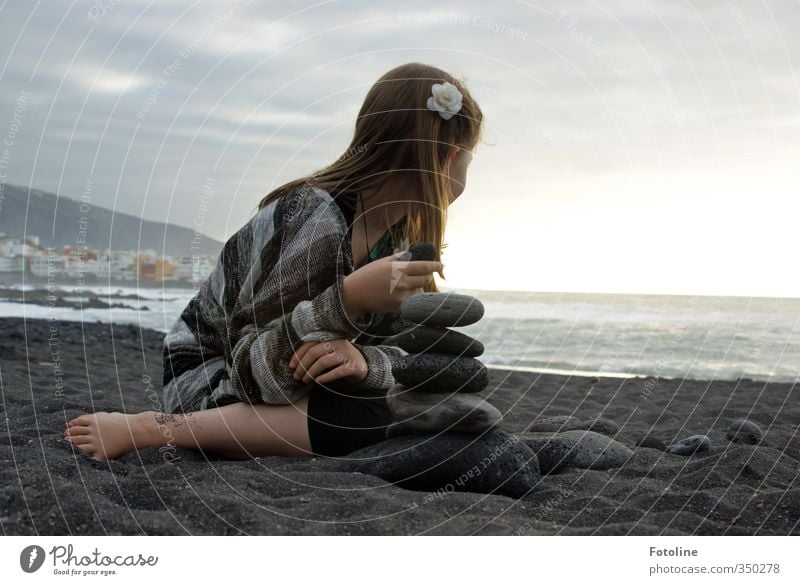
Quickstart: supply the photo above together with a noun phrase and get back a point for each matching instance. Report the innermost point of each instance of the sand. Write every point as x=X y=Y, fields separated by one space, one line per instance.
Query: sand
x=49 y=487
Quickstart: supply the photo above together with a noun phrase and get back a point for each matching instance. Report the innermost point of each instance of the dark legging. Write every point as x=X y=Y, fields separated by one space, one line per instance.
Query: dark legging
x=340 y=423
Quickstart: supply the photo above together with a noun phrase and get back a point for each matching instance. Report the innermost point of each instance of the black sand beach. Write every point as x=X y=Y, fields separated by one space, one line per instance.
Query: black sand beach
x=49 y=487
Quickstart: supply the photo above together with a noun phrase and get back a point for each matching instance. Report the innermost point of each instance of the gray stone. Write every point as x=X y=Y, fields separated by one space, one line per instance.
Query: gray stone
x=596 y=451
x=651 y=442
x=423 y=251
x=690 y=445
x=496 y=463
x=603 y=426
x=425 y=412
x=441 y=309
x=553 y=424
x=421 y=339
x=586 y=449
x=553 y=454
x=435 y=372
x=563 y=423
x=745 y=432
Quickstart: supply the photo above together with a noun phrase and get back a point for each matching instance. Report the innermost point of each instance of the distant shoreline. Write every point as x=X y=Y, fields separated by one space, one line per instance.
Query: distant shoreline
x=10 y=278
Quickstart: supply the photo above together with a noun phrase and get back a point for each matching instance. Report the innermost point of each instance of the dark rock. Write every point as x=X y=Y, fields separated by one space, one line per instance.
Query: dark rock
x=595 y=451
x=421 y=339
x=651 y=442
x=571 y=423
x=425 y=412
x=603 y=426
x=441 y=309
x=434 y=372
x=690 y=445
x=586 y=449
x=553 y=455
x=745 y=432
x=553 y=424
x=423 y=251
x=493 y=463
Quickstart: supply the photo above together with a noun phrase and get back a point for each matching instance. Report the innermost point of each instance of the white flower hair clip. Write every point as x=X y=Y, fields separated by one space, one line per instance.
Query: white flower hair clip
x=446 y=99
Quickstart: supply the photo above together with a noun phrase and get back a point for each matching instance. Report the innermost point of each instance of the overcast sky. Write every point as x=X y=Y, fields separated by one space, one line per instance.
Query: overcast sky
x=630 y=146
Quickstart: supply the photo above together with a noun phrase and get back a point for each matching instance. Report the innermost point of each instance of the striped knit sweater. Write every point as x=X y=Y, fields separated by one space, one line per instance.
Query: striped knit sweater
x=277 y=284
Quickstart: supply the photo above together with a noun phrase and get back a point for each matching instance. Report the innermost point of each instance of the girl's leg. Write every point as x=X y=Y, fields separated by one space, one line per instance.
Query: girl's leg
x=236 y=431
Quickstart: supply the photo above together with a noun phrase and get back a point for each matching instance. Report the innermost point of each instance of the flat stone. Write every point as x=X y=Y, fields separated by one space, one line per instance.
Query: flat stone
x=595 y=451
x=435 y=372
x=426 y=412
x=563 y=423
x=745 y=432
x=423 y=251
x=422 y=339
x=553 y=424
x=441 y=309
x=651 y=442
x=496 y=463
x=586 y=449
x=603 y=426
x=554 y=455
x=690 y=445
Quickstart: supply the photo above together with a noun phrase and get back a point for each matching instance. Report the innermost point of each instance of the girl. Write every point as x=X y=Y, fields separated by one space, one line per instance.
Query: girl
x=279 y=351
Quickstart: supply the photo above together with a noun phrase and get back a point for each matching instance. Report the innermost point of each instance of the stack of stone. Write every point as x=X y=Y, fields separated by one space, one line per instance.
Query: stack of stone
x=439 y=378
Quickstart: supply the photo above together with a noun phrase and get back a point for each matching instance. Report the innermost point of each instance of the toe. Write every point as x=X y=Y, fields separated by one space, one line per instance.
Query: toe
x=83 y=420
x=79 y=440
x=74 y=431
x=87 y=448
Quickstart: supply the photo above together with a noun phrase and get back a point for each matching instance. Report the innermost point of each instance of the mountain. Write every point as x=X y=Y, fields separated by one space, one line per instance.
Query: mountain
x=102 y=227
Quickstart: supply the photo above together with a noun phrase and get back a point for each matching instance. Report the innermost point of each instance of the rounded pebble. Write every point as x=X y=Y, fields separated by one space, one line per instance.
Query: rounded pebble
x=441 y=373
x=441 y=309
x=421 y=412
x=651 y=442
x=423 y=251
x=690 y=445
x=744 y=432
x=562 y=423
x=603 y=426
x=579 y=448
x=495 y=462
x=553 y=424
x=422 y=339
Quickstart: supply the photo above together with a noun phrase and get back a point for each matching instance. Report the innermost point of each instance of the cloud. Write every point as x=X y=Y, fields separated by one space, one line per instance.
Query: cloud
x=148 y=97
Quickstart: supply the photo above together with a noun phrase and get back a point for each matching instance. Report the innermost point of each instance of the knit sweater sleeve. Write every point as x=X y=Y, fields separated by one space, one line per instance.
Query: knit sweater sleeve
x=277 y=283
x=194 y=368
x=306 y=279
x=380 y=352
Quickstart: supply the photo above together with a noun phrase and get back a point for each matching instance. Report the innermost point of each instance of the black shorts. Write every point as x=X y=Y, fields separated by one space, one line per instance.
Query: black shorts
x=340 y=422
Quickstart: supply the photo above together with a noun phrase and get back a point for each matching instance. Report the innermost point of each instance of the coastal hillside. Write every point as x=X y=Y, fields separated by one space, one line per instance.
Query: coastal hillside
x=57 y=221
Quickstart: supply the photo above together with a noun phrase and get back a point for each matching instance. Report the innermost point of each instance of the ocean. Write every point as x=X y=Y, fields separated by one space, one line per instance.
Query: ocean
x=668 y=336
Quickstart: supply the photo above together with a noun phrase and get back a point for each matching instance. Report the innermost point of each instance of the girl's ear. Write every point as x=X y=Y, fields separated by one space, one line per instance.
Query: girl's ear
x=450 y=156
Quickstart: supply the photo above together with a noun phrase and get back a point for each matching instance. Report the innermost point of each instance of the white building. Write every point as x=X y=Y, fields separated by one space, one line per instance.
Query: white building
x=48 y=266
x=12 y=264
x=193 y=268
x=117 y=264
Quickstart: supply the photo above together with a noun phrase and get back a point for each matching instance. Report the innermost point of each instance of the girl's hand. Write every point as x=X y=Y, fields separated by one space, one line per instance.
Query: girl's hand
x=337 y=358
x=382 y=285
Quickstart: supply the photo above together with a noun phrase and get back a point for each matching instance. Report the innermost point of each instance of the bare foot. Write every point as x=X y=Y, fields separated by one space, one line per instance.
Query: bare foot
x=108 y=435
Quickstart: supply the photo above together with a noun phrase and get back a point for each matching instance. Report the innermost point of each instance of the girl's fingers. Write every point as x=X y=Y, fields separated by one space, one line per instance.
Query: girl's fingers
x=300 y=352
x=413 y=282
x=324 y=363
x=309 y=358
x=421 y=267
x=340 y=372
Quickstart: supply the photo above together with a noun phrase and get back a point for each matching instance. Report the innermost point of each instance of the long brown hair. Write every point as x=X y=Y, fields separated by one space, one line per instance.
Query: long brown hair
x=396 y=133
